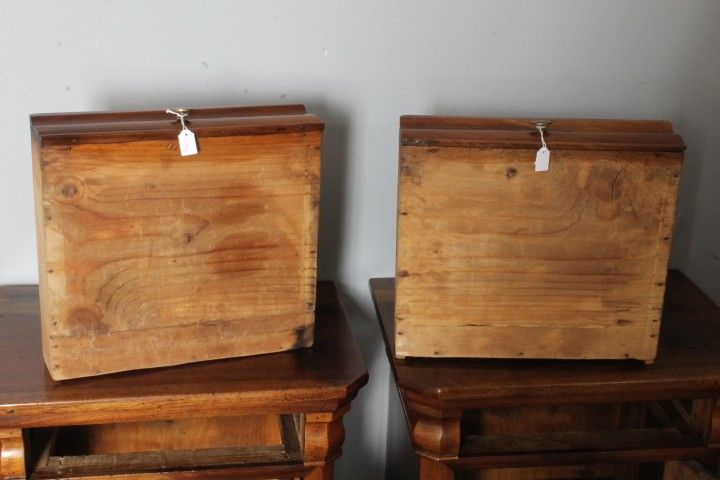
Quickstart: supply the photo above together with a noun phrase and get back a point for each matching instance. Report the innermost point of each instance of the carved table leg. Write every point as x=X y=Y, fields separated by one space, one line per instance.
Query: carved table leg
x=12 y=454
x=436 y=436
x=434 y=470
x=705 y=417
x=324 y=436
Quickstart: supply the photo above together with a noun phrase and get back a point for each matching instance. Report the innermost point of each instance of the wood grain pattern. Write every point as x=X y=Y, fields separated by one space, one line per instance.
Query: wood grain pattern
x=563 y=133
x=495 y=260
x=651 y=454
x=433 y=470
x=562 y=420
x=477 y=125
x=323 y=437
x=165 y=435
x=71 y=129
x=521 y=430
x=180 y=422
x=564 y=434
x=319 y=379
x=687 y=365
x=12 y=454
x=542 y=419
x=169 y=461
x=291 y=471
x=150 y=259
x=437 y=437
x=167 y=446
x=569 y=441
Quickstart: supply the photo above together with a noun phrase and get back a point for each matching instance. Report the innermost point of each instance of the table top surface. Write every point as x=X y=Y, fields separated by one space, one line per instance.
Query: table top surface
x=317 y=379
x=687 y=365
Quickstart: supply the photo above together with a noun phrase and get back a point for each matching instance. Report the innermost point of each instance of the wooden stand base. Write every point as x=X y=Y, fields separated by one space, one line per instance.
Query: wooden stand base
x=541 y=420
x=270 y=416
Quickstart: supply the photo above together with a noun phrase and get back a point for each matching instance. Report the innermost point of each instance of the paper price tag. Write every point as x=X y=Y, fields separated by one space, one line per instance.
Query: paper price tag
x=542 y=160
x=188 y=145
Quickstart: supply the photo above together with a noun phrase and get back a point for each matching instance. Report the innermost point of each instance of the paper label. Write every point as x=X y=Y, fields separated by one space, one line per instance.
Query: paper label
x=542 y=160
x=188 y=145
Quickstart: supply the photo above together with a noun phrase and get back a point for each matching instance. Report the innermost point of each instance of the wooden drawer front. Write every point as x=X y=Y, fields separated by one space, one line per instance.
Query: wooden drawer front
x=496 y=260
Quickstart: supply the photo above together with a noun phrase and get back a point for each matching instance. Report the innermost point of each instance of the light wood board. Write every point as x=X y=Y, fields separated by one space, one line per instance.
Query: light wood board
x=149 y=259
x=497 y=260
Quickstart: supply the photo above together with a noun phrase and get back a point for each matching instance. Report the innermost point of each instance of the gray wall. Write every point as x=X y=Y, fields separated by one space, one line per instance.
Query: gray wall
x=361 y=64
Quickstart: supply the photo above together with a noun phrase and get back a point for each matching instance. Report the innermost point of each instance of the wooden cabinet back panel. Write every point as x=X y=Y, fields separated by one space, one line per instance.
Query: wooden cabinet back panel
x=497 y=260
x=149 y=258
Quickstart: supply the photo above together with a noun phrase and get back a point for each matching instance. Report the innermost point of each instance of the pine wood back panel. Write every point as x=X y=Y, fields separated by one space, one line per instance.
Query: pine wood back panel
x=497 y=260
x=149 y=259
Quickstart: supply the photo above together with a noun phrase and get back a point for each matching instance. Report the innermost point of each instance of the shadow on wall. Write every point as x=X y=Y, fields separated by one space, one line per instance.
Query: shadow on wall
x=359 y=461
x=365 y=439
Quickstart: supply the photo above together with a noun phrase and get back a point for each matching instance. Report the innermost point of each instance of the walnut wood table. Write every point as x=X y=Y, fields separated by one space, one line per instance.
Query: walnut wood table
x=268 y=416
x=513 y=419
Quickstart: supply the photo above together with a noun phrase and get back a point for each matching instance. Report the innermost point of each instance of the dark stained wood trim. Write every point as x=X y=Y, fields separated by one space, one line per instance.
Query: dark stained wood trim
x=561 y=134
x=260 y=472
x=143 y=409
x=434 y=399
x=625 y=439
x=164 y=461
x=556 y=140
x=543 y=459
x=558 y=124
x=71 y=129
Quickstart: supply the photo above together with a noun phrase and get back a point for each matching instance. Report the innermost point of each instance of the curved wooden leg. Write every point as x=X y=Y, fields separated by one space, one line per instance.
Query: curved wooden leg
x=324 y=436
x=321 y=472
x=436 y=436
x=434 y=470
x=12 y=454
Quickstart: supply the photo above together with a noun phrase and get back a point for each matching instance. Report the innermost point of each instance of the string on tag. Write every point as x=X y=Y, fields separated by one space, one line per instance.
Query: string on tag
x=181 y=113
x=539 y=128
x=186 y=138
x=542 y=157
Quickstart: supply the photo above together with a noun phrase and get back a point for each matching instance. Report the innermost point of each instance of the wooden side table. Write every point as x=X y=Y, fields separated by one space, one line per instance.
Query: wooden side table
x=268 y=416
x=514 y=419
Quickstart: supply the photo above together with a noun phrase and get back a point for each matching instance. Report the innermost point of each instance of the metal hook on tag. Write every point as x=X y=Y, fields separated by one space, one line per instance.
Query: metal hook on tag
x=186 y=139
x=541 y=126
x=181 y=113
